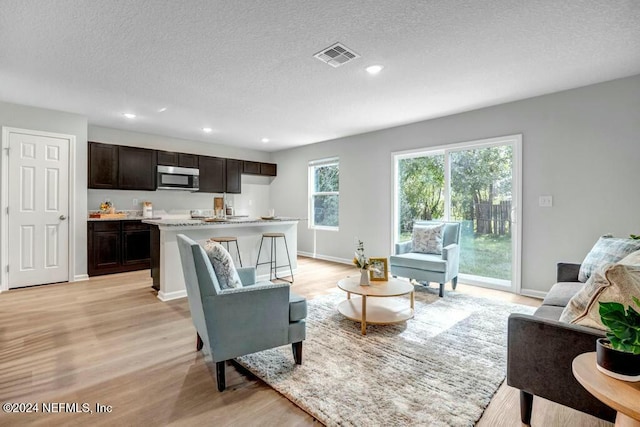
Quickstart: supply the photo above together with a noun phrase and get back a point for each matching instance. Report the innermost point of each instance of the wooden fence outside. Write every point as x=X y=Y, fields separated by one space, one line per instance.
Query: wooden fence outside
x=493 y=218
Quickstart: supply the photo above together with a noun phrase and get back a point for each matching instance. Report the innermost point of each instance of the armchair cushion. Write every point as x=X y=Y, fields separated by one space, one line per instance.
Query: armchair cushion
x=606 y=250
x=222 y=263
x=427 y=238
x=420 y=261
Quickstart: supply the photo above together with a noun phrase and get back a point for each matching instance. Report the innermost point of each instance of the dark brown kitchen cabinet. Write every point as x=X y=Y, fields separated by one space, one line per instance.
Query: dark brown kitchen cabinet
x=117 y=246
x=136 y=244
x=251 y=168
x=103 y=165
x=136 y=168
x=183 y=160
x=258 y=168
x=268 y=169
x=213 y=175
x=234 y=176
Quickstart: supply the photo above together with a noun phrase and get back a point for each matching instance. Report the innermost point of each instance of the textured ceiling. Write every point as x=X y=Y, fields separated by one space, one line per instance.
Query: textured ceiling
x=246 y=68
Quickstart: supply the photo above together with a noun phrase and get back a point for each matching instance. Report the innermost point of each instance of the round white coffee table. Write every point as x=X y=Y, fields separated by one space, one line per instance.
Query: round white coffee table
x=380 y=310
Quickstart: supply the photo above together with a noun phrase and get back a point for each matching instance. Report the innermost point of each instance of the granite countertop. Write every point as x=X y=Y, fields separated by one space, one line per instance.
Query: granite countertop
x=129 y=215
x=188 y=222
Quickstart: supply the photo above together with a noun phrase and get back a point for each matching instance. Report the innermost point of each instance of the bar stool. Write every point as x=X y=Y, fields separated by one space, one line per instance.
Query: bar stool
x=273 y=264
x=227 y=240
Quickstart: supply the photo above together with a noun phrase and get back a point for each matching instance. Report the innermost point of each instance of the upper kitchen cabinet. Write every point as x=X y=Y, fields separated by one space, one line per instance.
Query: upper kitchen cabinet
x=183 y=160
x=103 y=165
x=136 y=168
x=121 y=168
x=251 y=168
x=234 y=176
x=268 y=169
x=212 y=174
x=258 y=168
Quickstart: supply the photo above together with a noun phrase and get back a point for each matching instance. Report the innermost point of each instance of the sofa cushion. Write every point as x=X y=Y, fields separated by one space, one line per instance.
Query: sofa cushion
x=297 y=307
x=222 y=263
x=420 y=261
x=427 y=239
x=551 y=312
x=612 y=283
x=561 y=293
x=607 y=249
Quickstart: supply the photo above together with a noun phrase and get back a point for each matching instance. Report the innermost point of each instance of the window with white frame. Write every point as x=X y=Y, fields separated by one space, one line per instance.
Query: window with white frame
x=324 y=193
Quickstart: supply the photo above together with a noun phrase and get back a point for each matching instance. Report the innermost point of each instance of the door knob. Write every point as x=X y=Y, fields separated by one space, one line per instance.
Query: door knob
x=62 y=217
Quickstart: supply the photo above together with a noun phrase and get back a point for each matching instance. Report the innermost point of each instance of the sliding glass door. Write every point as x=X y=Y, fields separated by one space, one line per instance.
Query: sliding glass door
x=476 y=183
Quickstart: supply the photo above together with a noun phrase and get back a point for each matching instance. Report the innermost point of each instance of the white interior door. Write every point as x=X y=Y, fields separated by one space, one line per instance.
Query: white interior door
x=38 y=207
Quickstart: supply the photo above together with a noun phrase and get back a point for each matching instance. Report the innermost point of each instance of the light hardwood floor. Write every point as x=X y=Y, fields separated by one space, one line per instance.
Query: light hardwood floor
x=110 y=341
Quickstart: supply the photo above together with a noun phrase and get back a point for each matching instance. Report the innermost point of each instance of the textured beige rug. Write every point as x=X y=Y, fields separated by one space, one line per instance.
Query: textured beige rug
x=441 y=368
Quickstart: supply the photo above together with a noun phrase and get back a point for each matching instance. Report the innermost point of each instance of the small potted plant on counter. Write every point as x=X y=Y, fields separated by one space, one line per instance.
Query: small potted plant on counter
x=618 y=355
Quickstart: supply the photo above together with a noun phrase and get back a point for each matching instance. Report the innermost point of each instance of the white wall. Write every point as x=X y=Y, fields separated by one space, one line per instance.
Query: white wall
x=255 y=189
x=21 y=116
x=581 y=146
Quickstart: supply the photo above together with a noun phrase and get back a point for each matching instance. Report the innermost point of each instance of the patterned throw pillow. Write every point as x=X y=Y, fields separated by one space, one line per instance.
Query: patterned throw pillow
x=223 y=265
x=611 y=283
x=606 y=250
x=427 y=239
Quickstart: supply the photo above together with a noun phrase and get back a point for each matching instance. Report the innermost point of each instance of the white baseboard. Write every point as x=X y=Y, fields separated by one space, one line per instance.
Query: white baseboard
x=325 y=258
x=168 y=296
x=80 y=277
x=533 y=293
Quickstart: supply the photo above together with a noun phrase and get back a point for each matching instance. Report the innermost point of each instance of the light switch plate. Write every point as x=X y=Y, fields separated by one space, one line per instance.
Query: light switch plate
x=545 y=201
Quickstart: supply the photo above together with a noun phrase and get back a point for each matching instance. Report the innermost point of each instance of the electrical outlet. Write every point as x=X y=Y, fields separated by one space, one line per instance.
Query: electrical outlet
x=545 y=201
x=135 y=203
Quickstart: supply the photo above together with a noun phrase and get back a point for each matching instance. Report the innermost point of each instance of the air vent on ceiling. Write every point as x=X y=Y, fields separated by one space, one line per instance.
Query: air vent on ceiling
x=336 y=55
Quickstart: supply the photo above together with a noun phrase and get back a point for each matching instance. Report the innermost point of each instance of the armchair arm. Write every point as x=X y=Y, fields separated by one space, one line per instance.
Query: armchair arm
x=452 y=254
x=247 y=275
x=567 y=272
x=539 y=356
x=404 y=247
x=245 y=320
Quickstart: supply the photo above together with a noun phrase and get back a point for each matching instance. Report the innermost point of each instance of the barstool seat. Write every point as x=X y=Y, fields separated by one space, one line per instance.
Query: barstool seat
x=273 y=260
x=228 y=240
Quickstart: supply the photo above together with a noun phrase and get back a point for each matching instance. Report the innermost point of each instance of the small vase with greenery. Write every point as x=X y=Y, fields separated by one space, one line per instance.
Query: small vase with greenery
x=619 y=354
x=362 y=262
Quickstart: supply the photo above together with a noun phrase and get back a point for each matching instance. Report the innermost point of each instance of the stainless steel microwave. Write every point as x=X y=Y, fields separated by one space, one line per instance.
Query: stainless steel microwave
x=175 y=178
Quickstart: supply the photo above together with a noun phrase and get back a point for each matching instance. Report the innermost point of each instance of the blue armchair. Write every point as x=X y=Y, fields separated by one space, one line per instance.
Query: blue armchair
x=234 y=322
x=430 y=267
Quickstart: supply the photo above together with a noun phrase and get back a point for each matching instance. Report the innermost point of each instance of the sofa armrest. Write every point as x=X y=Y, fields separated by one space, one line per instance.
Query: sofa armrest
x=404 y=247
x=567 y=272
x=539 y=357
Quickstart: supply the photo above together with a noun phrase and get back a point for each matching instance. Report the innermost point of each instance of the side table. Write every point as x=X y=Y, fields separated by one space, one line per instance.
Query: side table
x=622 y=396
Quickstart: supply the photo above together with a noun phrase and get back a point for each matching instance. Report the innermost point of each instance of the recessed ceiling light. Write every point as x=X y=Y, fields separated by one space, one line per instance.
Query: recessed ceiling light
x=162 y=110
x=265 y=140
x=207 y=130
x=374 y=69
x=129 y=115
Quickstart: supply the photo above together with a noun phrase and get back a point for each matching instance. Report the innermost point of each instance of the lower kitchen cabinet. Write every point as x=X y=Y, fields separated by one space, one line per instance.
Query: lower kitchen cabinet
x=117 y=246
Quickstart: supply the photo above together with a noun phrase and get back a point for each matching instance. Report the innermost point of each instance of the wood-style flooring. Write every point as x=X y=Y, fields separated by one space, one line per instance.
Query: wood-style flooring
x=110 y=341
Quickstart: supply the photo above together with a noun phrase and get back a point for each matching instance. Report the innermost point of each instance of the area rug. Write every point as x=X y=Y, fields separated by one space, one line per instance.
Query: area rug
x=440 y=368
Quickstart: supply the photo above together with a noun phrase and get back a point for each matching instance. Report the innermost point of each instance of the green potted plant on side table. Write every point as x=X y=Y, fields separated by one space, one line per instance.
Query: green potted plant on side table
x=618 y=355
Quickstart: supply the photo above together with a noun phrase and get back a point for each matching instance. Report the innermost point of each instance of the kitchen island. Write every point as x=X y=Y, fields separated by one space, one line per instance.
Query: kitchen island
x=166 y=268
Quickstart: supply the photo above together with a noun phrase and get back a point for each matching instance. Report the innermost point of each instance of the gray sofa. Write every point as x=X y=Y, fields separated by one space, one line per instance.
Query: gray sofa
x=541 y=349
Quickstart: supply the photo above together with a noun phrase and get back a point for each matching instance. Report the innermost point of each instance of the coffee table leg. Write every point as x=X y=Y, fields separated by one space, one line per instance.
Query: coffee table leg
x=412 y=299
x=363 y=322
x=348 y=295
